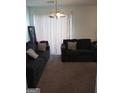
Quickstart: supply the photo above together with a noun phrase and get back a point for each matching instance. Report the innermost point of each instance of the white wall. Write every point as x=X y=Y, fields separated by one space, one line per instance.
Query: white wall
x=28 y=23
x=84 y=19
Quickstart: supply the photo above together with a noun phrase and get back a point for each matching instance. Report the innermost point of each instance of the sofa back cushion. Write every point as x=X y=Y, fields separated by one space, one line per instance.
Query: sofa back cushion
x=31 y=45
x=83 y=43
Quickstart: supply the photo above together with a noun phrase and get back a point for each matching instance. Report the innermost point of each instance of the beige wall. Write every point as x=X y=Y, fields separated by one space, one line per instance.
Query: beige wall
x=84 y=19
x=85 y=22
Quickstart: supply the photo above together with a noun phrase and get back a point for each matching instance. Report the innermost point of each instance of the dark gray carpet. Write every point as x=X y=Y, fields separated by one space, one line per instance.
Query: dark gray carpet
x=68 y=77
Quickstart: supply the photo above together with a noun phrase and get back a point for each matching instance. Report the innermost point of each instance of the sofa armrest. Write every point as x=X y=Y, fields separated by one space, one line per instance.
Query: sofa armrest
x=48 y=47
x=62 y=46
x=93 y=46
x=63 y=50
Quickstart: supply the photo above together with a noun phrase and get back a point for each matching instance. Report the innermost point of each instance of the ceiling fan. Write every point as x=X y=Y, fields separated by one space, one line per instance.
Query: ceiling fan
x=57 y=13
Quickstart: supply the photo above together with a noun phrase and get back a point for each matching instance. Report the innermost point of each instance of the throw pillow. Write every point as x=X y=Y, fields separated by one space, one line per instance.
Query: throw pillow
x=32 y=53
x=72 y=45
x=42 y=46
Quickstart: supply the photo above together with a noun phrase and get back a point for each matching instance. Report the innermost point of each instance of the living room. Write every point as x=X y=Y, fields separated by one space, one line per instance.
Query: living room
x=60 y=76
x=79 y=25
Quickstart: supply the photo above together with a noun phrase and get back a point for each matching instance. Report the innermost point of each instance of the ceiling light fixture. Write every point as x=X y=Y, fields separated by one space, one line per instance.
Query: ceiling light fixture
x=57 y=13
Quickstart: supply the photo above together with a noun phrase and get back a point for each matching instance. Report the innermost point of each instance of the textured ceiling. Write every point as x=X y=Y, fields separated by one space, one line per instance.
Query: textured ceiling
x=60 y=2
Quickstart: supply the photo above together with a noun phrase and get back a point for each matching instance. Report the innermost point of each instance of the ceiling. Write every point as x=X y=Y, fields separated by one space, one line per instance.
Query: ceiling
x=60 y=2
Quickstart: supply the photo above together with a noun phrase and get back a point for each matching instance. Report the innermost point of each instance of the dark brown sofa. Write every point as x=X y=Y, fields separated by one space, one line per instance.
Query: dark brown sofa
x=85 y=51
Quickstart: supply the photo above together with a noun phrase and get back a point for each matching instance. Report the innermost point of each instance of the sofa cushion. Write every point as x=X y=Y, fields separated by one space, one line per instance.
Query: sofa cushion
x=36 y=66
x=80 y=53
x=32 y=53
x=65 y=42
x=29 y=58
x=83 y=43
x=72 y=45
x=44 y=55
x=71 y=53
x=42 y=46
